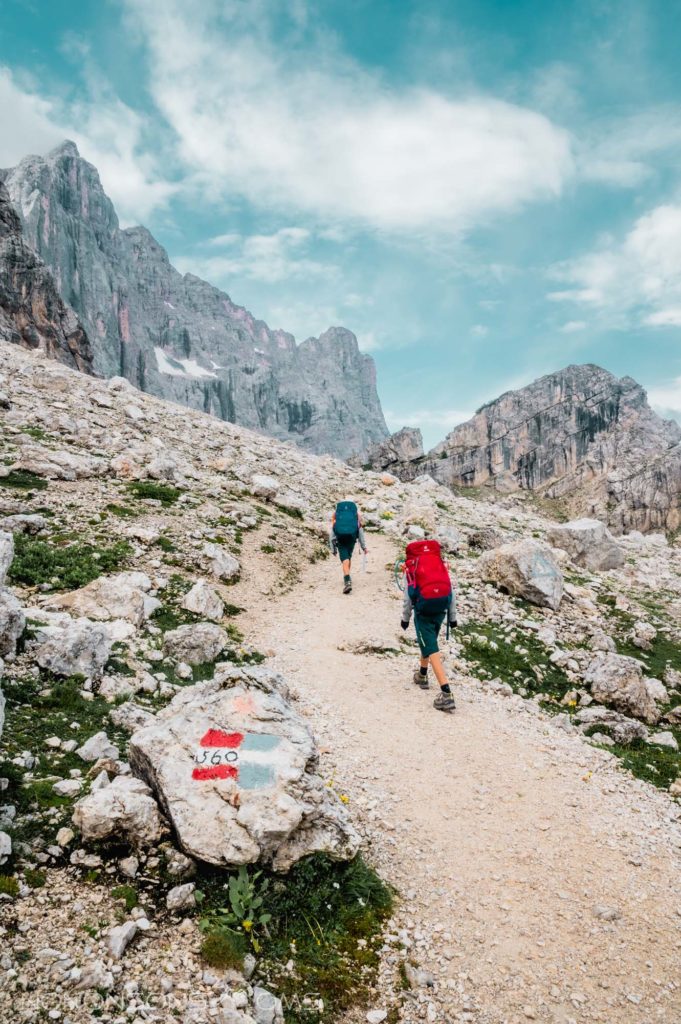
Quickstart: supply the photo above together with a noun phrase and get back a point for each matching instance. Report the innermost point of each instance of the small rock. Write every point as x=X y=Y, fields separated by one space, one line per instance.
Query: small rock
x=181 y=897
x=118 y=939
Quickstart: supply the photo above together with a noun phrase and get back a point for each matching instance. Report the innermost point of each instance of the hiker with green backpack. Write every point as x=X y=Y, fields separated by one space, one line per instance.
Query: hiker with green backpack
x=428 y=592
x=346 y=530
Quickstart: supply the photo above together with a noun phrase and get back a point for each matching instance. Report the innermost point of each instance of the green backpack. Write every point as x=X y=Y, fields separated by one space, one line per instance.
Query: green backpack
x=347 y=519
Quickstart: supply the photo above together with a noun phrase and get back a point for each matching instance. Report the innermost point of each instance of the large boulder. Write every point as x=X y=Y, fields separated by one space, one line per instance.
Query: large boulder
x=233 y=766
x=621 y=728
x=221 y=564
x=123 y=596
x=12 y=622
x=204 y=600
x=525 y=568
x=589 y=543
x=195 y=644
x=125 y=808
x=2 y=700
x=617 y=680
x=79 y=648
x=6 y=554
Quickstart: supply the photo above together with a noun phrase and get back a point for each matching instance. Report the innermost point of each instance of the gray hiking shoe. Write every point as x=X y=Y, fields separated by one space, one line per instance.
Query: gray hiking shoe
x=347 y=586
x=444 y=702
x=420 y=680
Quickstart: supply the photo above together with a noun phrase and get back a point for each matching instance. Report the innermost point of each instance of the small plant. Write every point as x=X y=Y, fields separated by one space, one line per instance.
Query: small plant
x=225 y=949
x=165 y=544
x=122 y=511
x=8 y=886
x=147 y=490
x=128 y=895
x=268 y=549
x=35 y=879
x=387 y=514
x=244 y=913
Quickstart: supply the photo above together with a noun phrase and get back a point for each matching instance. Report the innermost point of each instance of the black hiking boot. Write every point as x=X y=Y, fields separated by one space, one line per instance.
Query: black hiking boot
x=347 y=586
x=444 y=702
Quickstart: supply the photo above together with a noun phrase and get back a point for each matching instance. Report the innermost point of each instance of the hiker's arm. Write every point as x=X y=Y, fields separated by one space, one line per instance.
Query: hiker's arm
x=332 y=538
x=406 y=608
x=451 y=614
x=362 y=540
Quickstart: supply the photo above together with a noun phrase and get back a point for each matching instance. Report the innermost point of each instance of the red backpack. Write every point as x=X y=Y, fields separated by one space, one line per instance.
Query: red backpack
x=430 y=587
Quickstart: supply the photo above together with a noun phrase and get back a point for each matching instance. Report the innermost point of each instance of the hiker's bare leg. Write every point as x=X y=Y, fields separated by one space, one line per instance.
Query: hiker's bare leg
x=438 y=669
x=424 y=663
x=346 y=567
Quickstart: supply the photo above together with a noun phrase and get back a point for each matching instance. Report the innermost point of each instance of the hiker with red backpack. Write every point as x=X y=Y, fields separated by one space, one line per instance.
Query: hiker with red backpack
x=346 y=530
x=429 y=594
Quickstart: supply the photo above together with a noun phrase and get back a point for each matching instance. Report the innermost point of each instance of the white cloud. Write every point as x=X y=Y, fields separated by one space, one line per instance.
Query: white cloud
x=107 y=132
x=666 y=398
x=574 y=326
x=479 y=330
x=271 y=258
x=626 y=151
x=637 y=280
x=329 y=139
x=443 y=419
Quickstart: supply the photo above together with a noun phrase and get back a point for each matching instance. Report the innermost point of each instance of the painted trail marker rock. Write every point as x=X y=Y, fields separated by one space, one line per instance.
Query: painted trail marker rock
x=234 y=767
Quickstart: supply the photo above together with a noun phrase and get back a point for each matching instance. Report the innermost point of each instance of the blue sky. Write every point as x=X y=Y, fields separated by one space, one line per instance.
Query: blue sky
x=483 y=192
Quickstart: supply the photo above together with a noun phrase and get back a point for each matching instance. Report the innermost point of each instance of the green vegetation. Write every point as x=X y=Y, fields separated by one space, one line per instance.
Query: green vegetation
x=268 y=549
x=36 y=432
x=165 y=544
x=23 y=480
x=147 y=490
x=122 y=511
x=294 y=513
x=65 y=566
x=244 y=912
x=325 y=916
x=516 y=657
x=8 y=886
x=35 y=879
x=127 y=894
x=656 y=765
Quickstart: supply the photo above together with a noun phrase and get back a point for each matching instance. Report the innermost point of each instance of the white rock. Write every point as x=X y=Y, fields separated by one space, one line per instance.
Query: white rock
x=275 y=807
x=67 y=787
x=98 y=746
x=129 y=866
x=524 y=568
x=109 y=597
x=663 y=739
x=589 y=544
x=204 y=600
x=657 y=690
x=126 y=807
x=376 y=1016
x=64 y=836
x=118 y=939
x=221 y=563
x=181 y=897
x=80 y=648
x=264 y=486
x=12 y=620
x=618 y=681
x=5 y=847
x=6 y=554
x=195 y=644
x=95 y=975
x=266 y=1007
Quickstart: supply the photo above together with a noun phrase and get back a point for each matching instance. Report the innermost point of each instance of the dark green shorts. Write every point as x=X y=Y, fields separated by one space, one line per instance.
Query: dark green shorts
x=346 y=545
x=427 y=630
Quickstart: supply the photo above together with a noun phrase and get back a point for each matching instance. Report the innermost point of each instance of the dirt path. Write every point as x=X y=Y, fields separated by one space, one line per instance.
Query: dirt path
x=510 y=842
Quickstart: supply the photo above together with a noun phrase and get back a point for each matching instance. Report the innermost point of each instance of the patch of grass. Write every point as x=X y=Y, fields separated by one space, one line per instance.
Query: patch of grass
x=35 y=879
x=225 y=950
x=9 y=886
x=147 y=490
x=118 y=667
x=294 y=513
x=516 y=657
x=128 y=894
x=165 y=544
x=386 y=514
x=66 y=566
x=36 y=432
x=23 y=480
x=657 y=765
x=122 y=511
x=268 y=549
x=327 y=917
x=665 y=649
x=232 y=609
x=319 y=554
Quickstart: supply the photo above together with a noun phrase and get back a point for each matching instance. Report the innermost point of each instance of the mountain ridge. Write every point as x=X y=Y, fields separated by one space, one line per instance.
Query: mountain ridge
x=179 y=337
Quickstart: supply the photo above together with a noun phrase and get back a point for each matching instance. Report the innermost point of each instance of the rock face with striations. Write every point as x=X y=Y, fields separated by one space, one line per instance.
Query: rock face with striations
x=580 y=434
x=402 y=448
x=32 y=313
x=177 y=336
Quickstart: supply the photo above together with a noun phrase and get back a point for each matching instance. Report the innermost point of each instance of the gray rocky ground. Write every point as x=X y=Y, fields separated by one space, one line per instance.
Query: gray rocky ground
x=537 y=877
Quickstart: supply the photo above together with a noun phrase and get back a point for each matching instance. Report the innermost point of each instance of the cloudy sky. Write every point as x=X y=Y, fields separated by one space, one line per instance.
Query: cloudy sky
x=483 y=191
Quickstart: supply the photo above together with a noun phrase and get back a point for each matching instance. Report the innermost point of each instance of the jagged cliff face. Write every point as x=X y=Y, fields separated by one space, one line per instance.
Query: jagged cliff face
x=581 y=434
x=177 y=336
x=32 y=313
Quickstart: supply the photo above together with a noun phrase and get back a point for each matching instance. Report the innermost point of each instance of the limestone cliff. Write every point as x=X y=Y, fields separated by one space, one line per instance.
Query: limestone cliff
x=32 y=313
x=179 y=337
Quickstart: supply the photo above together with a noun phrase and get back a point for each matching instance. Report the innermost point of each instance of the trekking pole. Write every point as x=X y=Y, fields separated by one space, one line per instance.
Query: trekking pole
x=364 y=561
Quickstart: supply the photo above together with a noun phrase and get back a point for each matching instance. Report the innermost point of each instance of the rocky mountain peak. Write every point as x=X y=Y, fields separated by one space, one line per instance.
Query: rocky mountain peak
x=178 y=336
